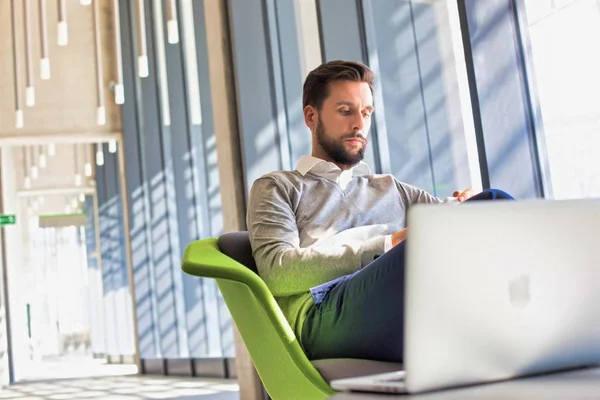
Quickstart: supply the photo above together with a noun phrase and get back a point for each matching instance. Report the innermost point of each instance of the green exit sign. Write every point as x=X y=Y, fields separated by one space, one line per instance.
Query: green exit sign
x=10 y=219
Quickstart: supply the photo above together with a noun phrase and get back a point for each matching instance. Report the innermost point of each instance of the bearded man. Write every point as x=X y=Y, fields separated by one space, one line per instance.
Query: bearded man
x=329 y=237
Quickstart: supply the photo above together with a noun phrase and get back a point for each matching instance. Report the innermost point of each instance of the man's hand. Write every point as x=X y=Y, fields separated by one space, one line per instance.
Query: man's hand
x=464 y=195
x=399 y=236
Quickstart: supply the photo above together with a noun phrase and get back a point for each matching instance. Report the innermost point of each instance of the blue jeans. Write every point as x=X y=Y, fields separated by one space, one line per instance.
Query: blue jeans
x=363 y=315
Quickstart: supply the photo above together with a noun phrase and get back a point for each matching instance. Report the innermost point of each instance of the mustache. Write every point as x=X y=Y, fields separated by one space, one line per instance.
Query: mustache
x=354 y=136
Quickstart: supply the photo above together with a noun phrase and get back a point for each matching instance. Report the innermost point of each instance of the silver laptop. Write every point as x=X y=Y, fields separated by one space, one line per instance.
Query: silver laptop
x=494 y=291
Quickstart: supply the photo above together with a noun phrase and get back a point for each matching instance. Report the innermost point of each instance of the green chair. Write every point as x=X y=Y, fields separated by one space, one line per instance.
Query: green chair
x=282 y=365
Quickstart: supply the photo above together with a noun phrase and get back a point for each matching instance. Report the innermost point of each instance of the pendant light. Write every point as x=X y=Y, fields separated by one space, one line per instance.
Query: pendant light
x=100 y=111
x=43 y=22
x=119 y=88
x=29 y=88
x=76 y=164
x=87 y=169
x=142 y=43
x=63 y=31
x=16 y=67
x=172 y=28
x=26 y=172
x=99 y=154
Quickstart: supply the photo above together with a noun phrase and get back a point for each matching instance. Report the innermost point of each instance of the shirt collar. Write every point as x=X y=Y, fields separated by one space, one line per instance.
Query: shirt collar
x=325 y=168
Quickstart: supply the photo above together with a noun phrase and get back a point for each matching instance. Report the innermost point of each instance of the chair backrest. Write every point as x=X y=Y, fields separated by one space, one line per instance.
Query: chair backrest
x=236 y=245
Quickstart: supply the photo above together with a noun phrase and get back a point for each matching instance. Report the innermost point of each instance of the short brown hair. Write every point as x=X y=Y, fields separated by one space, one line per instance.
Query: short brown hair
x=316 y=85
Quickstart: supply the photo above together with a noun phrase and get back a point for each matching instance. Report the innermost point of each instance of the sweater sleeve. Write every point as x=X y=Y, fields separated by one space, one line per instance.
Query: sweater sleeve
x=412 y=195
x=286 y=267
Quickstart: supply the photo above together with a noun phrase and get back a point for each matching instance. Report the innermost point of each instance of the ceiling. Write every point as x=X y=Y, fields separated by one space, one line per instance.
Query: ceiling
x=64 y=115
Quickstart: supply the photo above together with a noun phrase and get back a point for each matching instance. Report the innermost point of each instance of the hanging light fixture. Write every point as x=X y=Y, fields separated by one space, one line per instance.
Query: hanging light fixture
x=112 y=146
x=74 y=202
x=85 y=2
x=16 y=67
x=76 y=164
x=100 y=111
x=99 y=154
x=68 y=209
x=191 y=61
x=172 y=28
x=45 y=59
x=26 y=161
x=33 y=171
x=81 y=197
x=161 y=65
x=142 y=44
x=42 y=157
x=87 y=170
x=63 y=31
x=29 y=88
x=119 y=88
x=51 y=149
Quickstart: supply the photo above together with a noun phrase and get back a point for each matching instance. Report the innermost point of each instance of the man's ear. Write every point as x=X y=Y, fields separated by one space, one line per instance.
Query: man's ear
x=310 y=117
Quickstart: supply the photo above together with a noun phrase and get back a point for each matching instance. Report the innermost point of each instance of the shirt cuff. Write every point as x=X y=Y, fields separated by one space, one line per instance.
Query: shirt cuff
x=388 y=243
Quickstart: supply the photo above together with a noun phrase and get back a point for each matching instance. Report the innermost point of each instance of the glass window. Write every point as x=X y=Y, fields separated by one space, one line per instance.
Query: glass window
x=428 y=121
x=566 y=57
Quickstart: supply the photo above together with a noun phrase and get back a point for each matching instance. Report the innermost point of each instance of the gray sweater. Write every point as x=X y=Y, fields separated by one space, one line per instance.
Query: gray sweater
x=306 y=230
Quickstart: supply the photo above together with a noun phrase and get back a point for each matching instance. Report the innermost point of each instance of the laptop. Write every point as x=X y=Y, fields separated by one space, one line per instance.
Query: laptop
x=494 y=291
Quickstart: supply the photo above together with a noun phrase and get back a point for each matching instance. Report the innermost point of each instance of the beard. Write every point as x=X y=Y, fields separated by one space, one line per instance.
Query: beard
x=335 y=148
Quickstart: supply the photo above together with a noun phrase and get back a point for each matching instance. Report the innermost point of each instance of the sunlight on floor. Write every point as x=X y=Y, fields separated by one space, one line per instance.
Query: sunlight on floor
x=124 y=388
x=92 y=379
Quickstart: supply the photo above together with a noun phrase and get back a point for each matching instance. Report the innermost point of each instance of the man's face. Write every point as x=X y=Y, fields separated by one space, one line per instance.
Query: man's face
x=343 y=122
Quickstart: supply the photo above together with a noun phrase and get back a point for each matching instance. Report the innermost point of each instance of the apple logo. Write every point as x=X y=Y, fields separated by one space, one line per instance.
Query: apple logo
x=518 y=289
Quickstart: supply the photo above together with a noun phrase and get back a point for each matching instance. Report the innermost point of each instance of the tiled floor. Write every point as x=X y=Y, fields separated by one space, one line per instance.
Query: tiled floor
x=68 y=380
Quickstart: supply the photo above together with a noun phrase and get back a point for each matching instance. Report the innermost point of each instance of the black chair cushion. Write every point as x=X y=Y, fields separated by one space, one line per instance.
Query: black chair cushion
x=236 y=245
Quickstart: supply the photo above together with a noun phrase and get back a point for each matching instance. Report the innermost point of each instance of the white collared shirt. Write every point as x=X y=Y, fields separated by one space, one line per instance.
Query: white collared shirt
x=329 y=170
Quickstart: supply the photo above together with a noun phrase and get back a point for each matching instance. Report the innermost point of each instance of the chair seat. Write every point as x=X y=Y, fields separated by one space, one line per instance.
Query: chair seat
x=340 y=368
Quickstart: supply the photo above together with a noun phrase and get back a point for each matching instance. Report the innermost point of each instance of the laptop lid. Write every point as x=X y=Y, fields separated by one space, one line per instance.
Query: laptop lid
x=496 y=290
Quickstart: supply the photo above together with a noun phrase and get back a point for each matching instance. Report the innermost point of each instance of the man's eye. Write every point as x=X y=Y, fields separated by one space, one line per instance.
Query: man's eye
x=367 y=115
x=345 y=112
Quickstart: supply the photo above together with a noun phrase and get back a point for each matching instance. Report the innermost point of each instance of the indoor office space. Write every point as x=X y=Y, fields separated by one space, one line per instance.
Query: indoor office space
x=132 y=133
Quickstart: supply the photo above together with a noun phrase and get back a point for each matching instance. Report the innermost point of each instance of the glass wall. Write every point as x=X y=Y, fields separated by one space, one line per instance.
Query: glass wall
x=424 y=105
x=564 y=41
x=423 y=130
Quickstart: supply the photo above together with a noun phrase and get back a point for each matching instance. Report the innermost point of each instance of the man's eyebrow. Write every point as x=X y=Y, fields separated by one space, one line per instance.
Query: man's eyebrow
x=350 y=104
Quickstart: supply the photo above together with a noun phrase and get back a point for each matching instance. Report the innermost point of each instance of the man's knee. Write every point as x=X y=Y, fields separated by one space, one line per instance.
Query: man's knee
x=492 y=194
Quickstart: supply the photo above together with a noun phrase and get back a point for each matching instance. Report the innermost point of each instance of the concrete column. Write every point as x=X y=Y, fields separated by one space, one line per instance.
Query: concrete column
x=229 y=158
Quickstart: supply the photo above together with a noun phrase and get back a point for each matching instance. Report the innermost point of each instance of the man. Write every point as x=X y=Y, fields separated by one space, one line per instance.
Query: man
x=328 y=237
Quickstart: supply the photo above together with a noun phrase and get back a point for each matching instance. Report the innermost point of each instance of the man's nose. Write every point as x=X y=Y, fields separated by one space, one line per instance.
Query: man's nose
x=358 y=124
